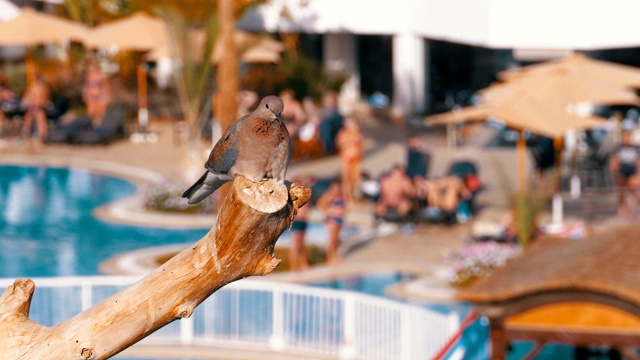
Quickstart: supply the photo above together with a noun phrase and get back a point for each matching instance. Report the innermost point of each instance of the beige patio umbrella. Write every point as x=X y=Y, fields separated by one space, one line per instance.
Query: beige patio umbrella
x=137 y=32
x=253 y=49
x=561 y=86
x=581 y=66
x=31 y=28
x=539 y=102
x=525 y=114
x=265 y=50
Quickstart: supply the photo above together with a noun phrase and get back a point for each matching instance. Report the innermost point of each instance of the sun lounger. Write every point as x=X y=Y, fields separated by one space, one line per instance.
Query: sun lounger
x=80 y=130
x=111 y=128
x=65 y=133
x=56 y=109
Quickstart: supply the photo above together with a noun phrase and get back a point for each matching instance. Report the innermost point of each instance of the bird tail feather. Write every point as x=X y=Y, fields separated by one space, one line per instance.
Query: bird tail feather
x=205 y=186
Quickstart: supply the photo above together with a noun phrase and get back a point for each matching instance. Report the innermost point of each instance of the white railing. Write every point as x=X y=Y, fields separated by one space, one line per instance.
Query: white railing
x=268 y=315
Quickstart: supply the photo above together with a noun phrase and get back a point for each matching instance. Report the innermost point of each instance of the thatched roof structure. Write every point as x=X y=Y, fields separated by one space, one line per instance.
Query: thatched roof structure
x=607 y=263
x=555 y=282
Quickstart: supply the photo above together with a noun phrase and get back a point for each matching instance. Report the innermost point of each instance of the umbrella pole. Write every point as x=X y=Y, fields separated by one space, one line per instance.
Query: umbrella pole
x=558 y=144
x=143 y=112
x=30 y=66
x=521 y=158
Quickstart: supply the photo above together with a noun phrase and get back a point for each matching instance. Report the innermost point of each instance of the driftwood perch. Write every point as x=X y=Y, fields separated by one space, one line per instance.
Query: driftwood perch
x=240 y=244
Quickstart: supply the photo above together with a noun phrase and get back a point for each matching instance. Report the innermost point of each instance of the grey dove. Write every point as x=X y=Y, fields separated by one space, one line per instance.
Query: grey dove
x=255 y=146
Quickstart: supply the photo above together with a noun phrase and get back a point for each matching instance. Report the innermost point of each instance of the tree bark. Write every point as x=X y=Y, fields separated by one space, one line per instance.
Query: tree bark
x=240 y=244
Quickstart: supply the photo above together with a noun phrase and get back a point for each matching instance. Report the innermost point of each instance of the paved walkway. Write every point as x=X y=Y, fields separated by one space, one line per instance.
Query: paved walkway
x=423 y=250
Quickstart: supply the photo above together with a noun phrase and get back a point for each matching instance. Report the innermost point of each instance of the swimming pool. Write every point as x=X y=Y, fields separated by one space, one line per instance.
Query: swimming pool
x=373 y=283
x=47 y=227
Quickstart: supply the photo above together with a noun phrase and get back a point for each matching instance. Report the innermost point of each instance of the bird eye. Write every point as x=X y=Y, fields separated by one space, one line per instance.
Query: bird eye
x=267 y=106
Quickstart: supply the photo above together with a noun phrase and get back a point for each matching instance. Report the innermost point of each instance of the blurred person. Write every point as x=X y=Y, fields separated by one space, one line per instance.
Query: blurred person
x=247 y=101
x=35 y=100
x=297 y=251
x=96 y=93
x=446 y=194
x=9 y=103
x=544 y=154
x=396 y=194
x=105 y=112
x=308 y=141
x=331 y=120
x=421 y=187
x=632 y=115
x=624 y=165
x=350 y=145
x=292 y=115
x=333 y=204
x=370 y=187
x=417 y=160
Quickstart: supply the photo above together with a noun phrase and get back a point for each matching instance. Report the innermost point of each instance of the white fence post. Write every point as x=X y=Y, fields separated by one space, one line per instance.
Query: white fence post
x=348 y=348
x=405 y=334
x=186 y=330
x=277 y=315
x=454 y=323
x=87 y=295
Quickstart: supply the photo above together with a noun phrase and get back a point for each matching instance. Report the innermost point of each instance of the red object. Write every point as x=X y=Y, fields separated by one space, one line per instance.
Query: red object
x=473 y=182
x=468 y=320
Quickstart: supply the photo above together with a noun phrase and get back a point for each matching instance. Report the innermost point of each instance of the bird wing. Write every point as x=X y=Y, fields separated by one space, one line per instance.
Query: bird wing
x=225 y=152
x=205 y=186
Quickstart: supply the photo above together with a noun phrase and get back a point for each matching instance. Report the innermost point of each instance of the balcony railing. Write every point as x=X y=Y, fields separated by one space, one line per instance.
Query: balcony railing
x=269 y=315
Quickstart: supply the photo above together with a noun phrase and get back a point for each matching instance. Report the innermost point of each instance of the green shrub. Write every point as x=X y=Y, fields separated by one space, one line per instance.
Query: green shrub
x=300 y=73
x=167 y=197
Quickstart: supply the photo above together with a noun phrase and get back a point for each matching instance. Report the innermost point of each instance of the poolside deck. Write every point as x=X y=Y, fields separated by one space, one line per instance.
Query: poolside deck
x=422 y=250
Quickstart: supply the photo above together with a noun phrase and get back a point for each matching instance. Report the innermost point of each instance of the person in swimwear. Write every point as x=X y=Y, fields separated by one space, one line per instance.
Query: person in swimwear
x=445 y=194
x=308 y=141
x=396 y=193
x=35 y=99
x=332 y=202
x=624 y=165
x=350 y=145
x=96 y=93
x=297 y=252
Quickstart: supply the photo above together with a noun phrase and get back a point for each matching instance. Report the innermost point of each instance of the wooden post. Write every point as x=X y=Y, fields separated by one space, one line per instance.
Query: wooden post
x=239 y=245
x=143 y=111
x=228 y=81
x=521 y=158
x=558 y=146
x=30 y=65
x=498 y=338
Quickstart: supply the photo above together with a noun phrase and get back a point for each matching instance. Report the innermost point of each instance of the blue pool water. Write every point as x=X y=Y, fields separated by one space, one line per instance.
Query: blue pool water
x=370 y=283
x=47 y=227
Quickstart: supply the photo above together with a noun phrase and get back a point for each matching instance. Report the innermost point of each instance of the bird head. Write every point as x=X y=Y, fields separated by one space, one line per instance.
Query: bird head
x=272 y=106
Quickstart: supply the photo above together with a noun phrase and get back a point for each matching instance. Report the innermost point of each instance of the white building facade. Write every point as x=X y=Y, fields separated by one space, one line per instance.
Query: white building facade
x=521 y=25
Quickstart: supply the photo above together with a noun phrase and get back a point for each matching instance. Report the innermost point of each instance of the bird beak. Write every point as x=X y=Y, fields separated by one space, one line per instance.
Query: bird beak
x=279 y=116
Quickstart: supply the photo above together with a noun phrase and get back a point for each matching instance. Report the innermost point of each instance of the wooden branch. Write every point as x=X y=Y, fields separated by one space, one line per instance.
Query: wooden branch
x=240 y=244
